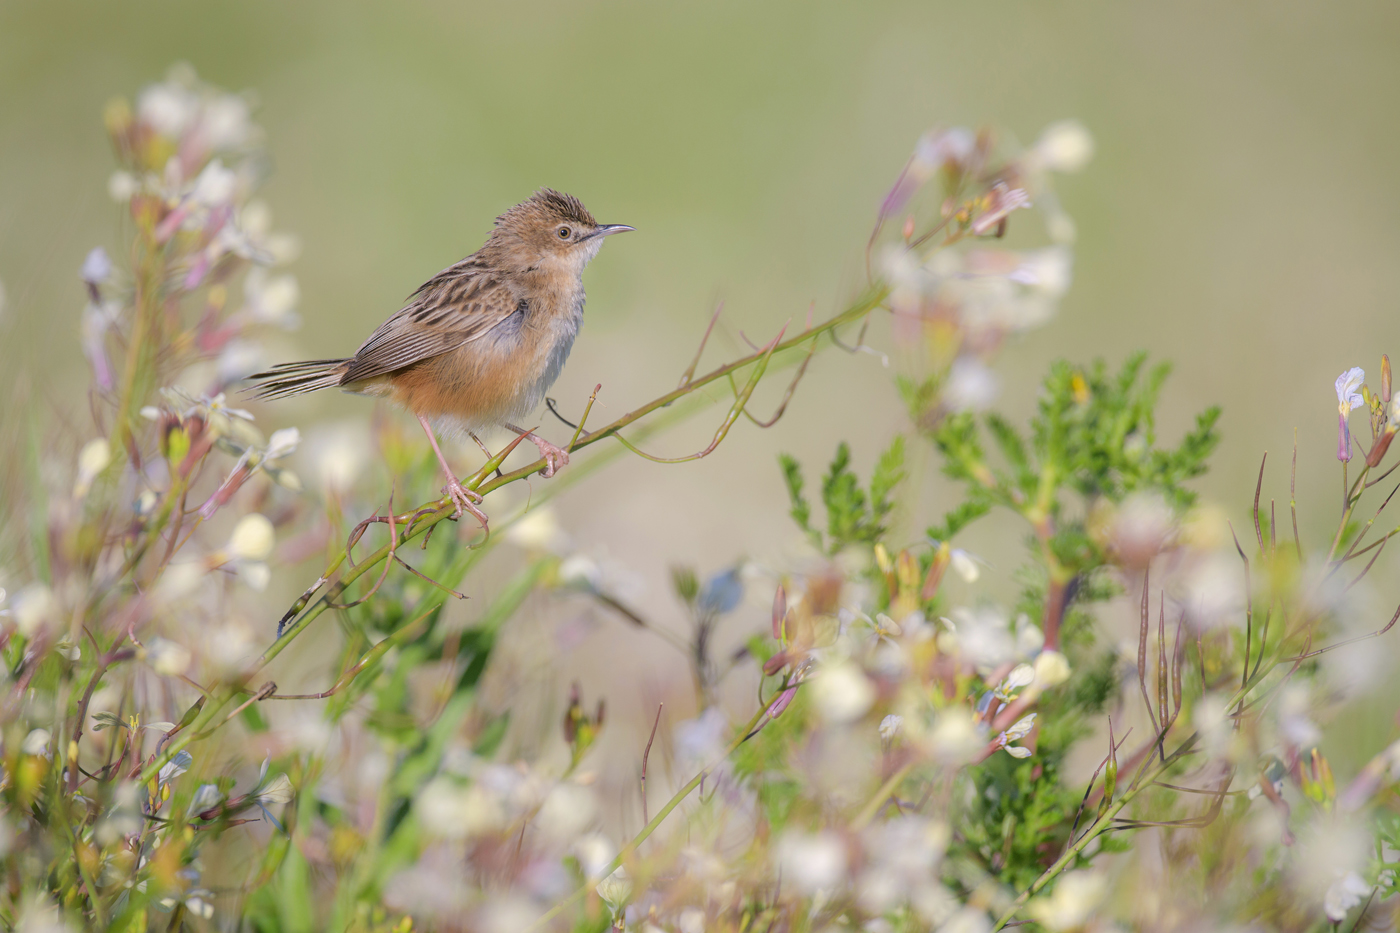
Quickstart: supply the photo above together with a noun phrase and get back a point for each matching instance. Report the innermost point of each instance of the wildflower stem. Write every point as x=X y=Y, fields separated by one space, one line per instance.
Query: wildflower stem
x=740 y=736
x=872 y=807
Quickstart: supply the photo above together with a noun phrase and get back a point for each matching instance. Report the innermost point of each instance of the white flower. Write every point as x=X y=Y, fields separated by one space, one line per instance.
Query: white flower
x=282 y=444
x=890 y=725
x=121 y=186
x=95 y=456
x=971 y=386
x=1065 y=146
x=1001 y=201
x=167 y=108
x=964 y=565
x=982 y=637
x=279 y=791
x=1047 y=270
x=214 y=186
x=1348 y=398
x=252 y=539
x=841 y=692
x=271 y=299
x=225 y=123
x=167 y=657
x=1022 y=675
x=954 y=737
x=581 y=570
x=33 y=607
x=450 y=810
x=36 y=742
x=176 y=766
x=1072 y=903
x=1051 y=669
x=1344 y=894
x=812 y=862
x=1017 y=732
x=537 y=530
x=97 y=268
x=567 y=811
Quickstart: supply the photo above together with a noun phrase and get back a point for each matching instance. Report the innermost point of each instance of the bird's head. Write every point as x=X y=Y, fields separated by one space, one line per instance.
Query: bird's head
x=551 y=231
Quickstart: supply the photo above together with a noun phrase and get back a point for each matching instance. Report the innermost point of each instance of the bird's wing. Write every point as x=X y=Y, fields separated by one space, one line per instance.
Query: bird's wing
x=458 y=305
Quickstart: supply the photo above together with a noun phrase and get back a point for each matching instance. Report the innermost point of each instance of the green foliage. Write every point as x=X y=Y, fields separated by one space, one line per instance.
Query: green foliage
x=853 y=515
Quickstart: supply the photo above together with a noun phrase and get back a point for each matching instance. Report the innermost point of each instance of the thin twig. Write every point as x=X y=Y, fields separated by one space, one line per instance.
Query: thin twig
x=646 y=754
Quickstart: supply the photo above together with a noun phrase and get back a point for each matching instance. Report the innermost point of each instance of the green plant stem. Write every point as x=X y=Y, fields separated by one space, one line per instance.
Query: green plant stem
x=856 y=311
x=740 y=737
x=869 y=811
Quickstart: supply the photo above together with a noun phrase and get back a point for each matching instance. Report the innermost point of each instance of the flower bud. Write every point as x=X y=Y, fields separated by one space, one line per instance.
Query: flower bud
x=252 y=538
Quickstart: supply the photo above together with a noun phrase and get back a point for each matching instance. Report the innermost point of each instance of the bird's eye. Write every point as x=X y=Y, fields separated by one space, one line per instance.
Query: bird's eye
x=564 y=233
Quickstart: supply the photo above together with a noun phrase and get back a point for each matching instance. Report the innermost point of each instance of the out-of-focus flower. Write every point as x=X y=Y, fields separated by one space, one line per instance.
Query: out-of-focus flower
x=1065 y=146
x=271 y=299
x=1051 y=669
x=982 y=637
x=814 y=862
x=567 y=811
x=1348 y=398
x=168 y=657
x=538 y=530
x=176 y=766
x=34 y=607
x=1213 y=592
x=1022 y=675
x=95 y=456
x=890 y=725
x=1344 y=894
x=252 y=538
x=1294 y=724
x=722 y=592
x=1017 y=732
x=122 y=186
x=971 y=386
x=279 y=790
x=700 y=741
x=97 y=268
x=36 y=742
x=954 y=737
x=1000 y=202
x=964 y=565
x=1072 y=903
x=447 y=808
x=841 y=692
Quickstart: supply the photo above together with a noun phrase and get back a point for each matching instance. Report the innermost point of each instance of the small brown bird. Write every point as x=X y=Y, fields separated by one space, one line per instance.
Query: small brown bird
x=481 y=342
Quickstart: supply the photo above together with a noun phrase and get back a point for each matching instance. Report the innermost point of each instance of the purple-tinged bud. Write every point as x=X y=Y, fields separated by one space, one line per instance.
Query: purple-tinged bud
x=1343 y=439
x=784 y=700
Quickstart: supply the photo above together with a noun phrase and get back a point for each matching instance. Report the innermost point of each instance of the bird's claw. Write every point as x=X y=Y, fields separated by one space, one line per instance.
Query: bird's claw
x=554 y=457
x=465 y=500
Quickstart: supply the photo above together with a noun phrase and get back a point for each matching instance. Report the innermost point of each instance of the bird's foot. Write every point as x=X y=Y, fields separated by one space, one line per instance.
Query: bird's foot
x=465 y=500
x=554 y=457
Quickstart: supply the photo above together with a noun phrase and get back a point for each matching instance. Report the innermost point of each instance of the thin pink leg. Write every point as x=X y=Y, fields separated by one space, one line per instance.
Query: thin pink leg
x=554 y=457
x=463 y=498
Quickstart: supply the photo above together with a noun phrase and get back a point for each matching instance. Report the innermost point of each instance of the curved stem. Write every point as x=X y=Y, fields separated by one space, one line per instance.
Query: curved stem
x=740 y=737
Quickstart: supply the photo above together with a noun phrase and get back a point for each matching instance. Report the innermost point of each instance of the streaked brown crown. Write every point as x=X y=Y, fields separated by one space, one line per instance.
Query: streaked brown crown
x=546 y=207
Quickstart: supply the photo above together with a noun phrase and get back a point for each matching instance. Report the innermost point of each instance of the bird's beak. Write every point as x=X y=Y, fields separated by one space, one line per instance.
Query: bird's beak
x=610 y=229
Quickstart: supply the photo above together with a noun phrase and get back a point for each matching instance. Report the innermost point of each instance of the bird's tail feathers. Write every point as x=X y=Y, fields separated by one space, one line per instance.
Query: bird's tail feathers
x=297 y=378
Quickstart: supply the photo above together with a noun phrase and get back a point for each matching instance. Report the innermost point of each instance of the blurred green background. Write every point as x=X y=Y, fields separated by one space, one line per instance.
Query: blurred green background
x=1240 y=217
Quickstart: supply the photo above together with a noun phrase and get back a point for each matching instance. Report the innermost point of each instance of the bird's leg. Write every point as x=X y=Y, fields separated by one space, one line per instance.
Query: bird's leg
x=554 y=457
x=484 y=449
x=463 y=498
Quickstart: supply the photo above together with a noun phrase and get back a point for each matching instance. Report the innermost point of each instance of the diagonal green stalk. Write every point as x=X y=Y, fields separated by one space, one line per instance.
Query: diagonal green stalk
x=740 y=737
x=309 y=611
